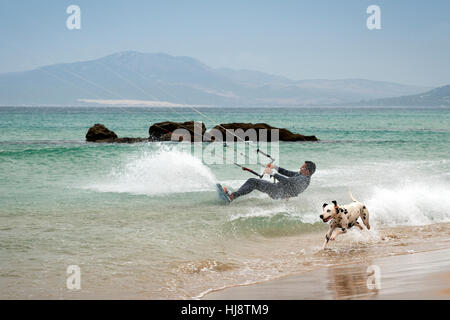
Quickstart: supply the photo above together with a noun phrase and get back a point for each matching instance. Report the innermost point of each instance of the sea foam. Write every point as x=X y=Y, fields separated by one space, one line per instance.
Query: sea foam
x=411 y=204
x=164 y=171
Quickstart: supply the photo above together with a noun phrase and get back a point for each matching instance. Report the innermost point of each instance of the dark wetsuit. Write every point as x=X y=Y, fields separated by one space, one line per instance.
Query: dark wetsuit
x=290 y=184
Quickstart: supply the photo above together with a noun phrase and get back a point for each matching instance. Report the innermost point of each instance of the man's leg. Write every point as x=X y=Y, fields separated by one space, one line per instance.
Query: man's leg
x=256 y=184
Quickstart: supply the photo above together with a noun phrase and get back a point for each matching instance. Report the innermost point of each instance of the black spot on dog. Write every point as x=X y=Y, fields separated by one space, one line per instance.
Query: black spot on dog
x=345 y=211
x=343 y=229
x=364 y=207
x=324 y=205
x=350 y=225
x=340 y=210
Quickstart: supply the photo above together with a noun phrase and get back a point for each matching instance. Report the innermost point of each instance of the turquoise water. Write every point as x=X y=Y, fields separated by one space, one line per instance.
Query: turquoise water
x=144 y=218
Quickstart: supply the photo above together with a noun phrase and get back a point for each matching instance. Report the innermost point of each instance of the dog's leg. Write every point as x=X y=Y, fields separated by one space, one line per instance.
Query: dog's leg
x=358 y=225
x=327 y=238
x=365 y=217
x=326 y=241
x=337 y=232
x=328 y=235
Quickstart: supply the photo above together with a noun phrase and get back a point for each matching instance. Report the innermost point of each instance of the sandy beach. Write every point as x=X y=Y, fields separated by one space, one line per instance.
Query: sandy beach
x=424 y=275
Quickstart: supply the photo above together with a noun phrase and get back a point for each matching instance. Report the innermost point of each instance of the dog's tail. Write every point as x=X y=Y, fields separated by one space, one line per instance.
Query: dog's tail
x=351 y=196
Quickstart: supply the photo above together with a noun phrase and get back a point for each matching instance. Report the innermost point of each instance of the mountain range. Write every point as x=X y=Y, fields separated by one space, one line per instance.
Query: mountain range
x=152 y=78
x=433 y=98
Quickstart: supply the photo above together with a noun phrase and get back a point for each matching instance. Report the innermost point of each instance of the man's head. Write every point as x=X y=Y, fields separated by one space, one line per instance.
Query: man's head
x=308 y=168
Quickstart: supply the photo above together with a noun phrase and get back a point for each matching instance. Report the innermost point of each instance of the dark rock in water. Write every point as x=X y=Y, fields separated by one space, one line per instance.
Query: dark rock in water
x=99 y=132
x=258 y=134
x=163 y=131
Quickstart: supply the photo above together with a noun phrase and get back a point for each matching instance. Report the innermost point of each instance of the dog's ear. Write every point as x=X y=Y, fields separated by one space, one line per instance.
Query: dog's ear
x=324 y=205
x=335 y=203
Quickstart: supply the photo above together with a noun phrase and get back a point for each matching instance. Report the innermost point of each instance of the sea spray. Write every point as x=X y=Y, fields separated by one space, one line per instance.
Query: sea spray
x=163 y=171
x=410 y=204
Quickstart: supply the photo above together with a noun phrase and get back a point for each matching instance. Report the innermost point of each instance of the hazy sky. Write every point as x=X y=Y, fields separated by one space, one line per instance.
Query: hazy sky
x=297 y=39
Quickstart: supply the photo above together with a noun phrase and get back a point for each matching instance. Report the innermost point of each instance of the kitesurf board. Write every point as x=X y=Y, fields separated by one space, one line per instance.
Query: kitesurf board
x=222 y=195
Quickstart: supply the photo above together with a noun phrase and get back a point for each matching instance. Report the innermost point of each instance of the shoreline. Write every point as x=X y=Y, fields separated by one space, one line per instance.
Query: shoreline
x=416 y=258
x=418 y=275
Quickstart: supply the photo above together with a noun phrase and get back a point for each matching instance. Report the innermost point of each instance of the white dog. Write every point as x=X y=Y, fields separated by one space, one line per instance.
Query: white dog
x=344 y=217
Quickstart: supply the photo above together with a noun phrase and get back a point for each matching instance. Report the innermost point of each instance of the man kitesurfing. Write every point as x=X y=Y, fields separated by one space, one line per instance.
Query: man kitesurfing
x=290 y=183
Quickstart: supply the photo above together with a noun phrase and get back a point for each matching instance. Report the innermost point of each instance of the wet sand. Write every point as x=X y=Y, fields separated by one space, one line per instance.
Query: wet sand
x=424 y=275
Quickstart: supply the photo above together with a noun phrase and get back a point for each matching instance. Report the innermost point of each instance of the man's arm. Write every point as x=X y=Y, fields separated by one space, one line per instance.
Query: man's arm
x=285 y=172
x=280 y=178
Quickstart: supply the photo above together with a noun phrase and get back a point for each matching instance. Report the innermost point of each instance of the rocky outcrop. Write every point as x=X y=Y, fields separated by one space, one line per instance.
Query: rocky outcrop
x=163 y=131
x=99 y=133
x=184 y=131
x=255 y=135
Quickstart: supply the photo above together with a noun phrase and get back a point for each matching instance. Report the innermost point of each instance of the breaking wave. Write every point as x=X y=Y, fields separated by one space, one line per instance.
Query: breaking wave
x=410 y=204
